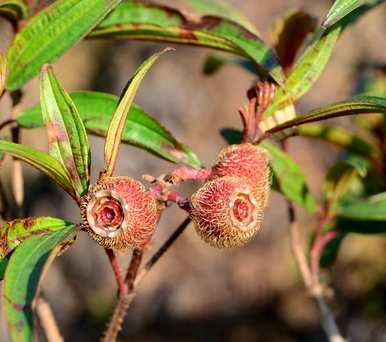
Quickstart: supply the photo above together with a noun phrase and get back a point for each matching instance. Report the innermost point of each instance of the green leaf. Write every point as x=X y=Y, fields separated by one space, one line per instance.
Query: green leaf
x=14 y=9
x=340 y=137
x=311 y=63
x=231 y=135
x=15 y=232
x=132 y=20
x=214 y=62
x=366 y=216
x=372 y=80
x=3 y=266
x=341 y=8
x=49 y=34
x=354 y=106
x=23 y=276
x=289 y=178
x=67 y=137
x=221 y=9
x=41 y=161
x=118 y=121
x=342 y=174
x=141 y=130
x=289 y=33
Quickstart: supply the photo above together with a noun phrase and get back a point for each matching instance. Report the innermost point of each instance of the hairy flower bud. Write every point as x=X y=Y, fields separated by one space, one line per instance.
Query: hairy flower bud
x=119 y=213
x=227 y=211
x=245 y=160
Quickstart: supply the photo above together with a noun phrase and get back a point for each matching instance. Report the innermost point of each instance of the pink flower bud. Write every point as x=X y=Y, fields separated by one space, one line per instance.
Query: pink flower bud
x=227 y=211
x=119 y=213
x=245 y=160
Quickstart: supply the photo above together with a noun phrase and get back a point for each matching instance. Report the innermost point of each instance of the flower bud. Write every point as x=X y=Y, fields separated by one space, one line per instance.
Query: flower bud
x=227 y=211
x=119 y=213
x=245 y=160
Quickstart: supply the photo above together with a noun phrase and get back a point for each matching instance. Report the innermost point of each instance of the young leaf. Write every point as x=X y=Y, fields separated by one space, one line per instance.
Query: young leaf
x=357 y=105
x=367 y=216
x=118 y=121
x=14 y=232
x=67 y=137
x=341 y=175
x=221 y=9
x=41 y=161
x=141 y=130
x=50 y=33
x=341 y=8
x=289 y=33
x=311 y=63
x=289 y=178
x=340 y=137
x=132 y=20
x=14 y=9
x=23 y=276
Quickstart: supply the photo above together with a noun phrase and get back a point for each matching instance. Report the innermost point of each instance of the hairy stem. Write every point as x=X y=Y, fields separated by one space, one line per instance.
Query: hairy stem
x=133 y=278
x=125 y=298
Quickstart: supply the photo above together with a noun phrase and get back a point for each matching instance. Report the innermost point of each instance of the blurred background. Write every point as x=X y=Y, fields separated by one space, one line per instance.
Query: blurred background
x=195 y=292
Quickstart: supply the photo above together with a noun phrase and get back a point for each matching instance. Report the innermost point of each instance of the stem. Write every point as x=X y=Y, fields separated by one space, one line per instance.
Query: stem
x=297 y=250
x=122 y=288
x=311 y=282
x=328 y=321
x=48 y=322
x=161 y=251
x=17 y=172
x=125 y=298
x=133 y=278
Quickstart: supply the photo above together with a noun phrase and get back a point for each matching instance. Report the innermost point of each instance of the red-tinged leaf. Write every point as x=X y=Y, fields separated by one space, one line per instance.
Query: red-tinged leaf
x=41 y=161
x=288 y=34
x=15 y=232
x=67 y=137
x=357 y=105
x=141 y=129
x=149 y=21
x=308 y=68
x=49 y=34
x=118 y=121
x=24 y=274
x=223 y=9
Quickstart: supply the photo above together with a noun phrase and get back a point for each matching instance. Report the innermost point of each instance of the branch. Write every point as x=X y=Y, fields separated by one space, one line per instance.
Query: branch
x=311 y=282
x=133 y=278
x=125 y=298
x=47 y=321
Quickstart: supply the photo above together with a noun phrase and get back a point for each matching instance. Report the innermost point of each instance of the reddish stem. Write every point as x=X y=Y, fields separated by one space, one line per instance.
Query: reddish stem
x=317 y=248
x=182 y=202
x=186 y=173
x=122 y=286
